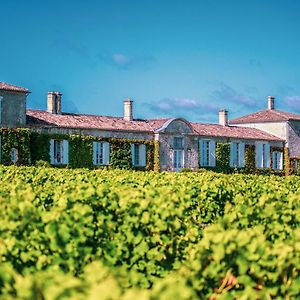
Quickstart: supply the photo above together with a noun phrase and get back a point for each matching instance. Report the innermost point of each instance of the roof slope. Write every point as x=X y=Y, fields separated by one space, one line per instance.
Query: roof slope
x=40 y=118
x=267 y=115
x=13 y=88
x=215 y=130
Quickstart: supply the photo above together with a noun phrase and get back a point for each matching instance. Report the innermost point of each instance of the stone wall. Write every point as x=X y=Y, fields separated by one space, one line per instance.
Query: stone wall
x=294 y=138
x=13 y=109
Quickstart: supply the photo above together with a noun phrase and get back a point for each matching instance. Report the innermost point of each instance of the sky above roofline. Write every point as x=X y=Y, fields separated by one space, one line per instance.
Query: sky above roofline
x=173 y=58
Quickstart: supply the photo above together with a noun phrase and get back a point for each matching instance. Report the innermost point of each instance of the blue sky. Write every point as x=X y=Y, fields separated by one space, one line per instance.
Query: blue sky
x=173 y=58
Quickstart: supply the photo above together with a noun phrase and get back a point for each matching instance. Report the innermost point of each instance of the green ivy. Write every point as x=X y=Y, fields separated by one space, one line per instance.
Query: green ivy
x=250 y=158
x=223 y=156
x=18 y=139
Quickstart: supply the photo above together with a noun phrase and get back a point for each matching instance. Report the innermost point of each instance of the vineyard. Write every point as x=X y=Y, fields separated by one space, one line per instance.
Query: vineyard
x=81 y=234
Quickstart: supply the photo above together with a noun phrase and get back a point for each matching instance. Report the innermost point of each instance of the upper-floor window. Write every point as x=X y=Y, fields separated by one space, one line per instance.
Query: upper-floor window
x=178 y=143
x=277 y=160
x=237 y=154
x=138 y=153
x=207 y=153
x=262 y=155
x=100 y=153
x=59 y=152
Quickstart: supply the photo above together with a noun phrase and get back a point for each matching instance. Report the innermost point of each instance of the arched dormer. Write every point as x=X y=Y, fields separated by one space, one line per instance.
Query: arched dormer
x=175 y=126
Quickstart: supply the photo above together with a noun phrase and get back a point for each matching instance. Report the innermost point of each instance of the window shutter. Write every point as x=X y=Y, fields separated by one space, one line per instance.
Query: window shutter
x=132 y=154
x=267 y=155
x=232 y=144
x=258 y=154
x=65 y=152
x=201 y=152
x=242 y=155
x=280 y=160
x=142 y=155
x=106 y=153
x=212 y=153
x=94 y=153
x=51 y=153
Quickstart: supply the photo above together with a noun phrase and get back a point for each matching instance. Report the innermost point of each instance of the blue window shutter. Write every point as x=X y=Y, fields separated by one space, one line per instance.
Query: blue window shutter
x=258 y=155
x=212 y=153
x=105 y=153
x=242 y=155
x=280 y=160
x=51 y=152
x=143 y=155
x=94 y=153
x=267 y=155
x=132 y=154
x=65 y=152
x=201 y=152
x=232 y=154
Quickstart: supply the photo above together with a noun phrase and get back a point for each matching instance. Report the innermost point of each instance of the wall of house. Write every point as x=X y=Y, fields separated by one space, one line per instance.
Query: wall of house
x=294 y=138
x=13 y=109
x=278 y=129
x=95 y=132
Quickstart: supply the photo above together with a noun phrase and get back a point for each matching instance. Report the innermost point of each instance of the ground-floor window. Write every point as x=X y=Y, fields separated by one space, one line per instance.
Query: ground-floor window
x=178 y=159
x=59 y=152
x=207 y=152
x=237 y=154
x=138 y=154
x=262 y=155
x=100 y=153
x=277 y=160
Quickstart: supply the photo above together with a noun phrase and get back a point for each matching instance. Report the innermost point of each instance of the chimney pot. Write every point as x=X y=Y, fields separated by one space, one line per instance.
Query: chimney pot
x=223 y=117
x=271 y=102
x=128 y=103
x=54 y=103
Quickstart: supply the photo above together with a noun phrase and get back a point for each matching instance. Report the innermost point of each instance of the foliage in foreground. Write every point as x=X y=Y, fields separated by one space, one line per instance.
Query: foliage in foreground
x=132 y=235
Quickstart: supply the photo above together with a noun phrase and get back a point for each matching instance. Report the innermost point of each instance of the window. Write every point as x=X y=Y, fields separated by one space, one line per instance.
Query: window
x=277 y=161
x=207 y=153
x=100 y=153
x=262 y=155
x=14 y=155
x=59 y=152
x=138 y=153
x=237 y=154
x=178 y=143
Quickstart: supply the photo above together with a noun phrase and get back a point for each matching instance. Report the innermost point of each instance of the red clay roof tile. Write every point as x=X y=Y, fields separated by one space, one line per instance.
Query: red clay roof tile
x=9 y=87
x=44 y=119
x=267 y=115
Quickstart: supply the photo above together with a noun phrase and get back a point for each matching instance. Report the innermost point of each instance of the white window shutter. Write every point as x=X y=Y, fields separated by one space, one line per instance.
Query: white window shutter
x=280 y=160
x=105 y=153
x=94 y=153
x=232 y=154
x=132 y=154
x=65 y=152
x=267 y=155
x=52 y=160
x=258 y=154
x=212 y=153
x=142 y=155
x=242 y=155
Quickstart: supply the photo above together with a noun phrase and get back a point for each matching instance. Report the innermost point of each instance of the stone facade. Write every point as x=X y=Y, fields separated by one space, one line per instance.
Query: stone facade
x=13 y=109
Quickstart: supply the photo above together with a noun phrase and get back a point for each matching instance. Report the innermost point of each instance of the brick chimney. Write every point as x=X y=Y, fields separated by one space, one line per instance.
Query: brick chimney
x=128 y=110
x=223 y=117
x=271 y=102
x=54 y=103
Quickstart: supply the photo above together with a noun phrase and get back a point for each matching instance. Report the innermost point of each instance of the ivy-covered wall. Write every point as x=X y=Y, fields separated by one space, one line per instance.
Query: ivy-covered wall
x=81 y=151
x=223 y=156
x=18 y=139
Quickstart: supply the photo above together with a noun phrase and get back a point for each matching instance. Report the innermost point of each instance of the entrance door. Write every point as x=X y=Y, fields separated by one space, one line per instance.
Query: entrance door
x=178 y=160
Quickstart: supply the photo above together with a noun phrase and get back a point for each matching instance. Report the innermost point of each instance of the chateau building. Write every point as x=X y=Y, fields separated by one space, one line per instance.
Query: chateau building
x=273 y=136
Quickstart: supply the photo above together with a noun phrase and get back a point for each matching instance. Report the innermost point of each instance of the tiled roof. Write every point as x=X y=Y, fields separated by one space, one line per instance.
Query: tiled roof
x=268 y=115
x=66 y=120
x=215 y=130
x=45 y=119
x=9 y=87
